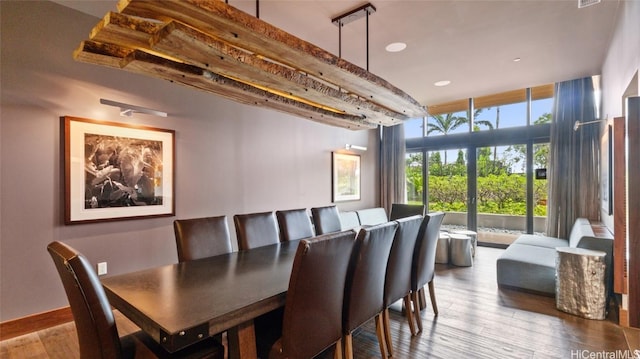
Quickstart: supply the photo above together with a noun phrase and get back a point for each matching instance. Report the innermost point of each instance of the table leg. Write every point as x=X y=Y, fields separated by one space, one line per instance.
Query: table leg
x=242 y=341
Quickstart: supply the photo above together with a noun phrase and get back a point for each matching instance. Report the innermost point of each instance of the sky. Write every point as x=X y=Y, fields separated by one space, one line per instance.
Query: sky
x=512 y=115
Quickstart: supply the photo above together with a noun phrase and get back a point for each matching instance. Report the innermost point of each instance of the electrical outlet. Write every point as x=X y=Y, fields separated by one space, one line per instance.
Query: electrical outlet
x=102 y=268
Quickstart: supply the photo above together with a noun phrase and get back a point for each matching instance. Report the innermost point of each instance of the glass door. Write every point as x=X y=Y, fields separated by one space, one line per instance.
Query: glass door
x=447 y=186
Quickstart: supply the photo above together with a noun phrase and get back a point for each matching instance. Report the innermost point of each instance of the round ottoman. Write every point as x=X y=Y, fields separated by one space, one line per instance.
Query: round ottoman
x=474 y=238
x=442 y=249
x=460 y=246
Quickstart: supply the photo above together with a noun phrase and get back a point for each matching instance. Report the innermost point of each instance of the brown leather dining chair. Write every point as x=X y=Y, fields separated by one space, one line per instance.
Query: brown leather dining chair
x=326 y=219
x=402 y=210
x=256 y=230
x=201 y=237
x=397 y=283
x=294 y=224
x=364 y=289
x=312 y=319
x=95 y=324
x=423 y=264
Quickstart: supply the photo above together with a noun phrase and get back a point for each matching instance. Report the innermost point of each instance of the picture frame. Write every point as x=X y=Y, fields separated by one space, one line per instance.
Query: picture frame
x=115 y=171
x=345 y=185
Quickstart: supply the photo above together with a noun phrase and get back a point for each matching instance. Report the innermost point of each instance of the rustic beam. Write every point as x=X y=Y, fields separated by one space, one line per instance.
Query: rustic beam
x=242 y=30
x=140 y=62
x=183 y=44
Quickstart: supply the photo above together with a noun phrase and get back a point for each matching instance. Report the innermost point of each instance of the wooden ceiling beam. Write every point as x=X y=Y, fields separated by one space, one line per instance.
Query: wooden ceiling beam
x=140 y=62
x=219 y=20
x=181 y=43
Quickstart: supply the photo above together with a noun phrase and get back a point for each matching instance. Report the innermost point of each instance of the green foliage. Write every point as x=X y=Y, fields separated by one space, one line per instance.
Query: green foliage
x=499 y=191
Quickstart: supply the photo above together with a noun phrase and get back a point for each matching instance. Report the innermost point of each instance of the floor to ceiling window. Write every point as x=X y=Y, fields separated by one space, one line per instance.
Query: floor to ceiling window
x=482 y=161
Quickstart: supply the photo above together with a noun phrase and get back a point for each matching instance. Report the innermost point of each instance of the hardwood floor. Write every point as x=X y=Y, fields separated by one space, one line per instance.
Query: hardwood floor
x=476 y=320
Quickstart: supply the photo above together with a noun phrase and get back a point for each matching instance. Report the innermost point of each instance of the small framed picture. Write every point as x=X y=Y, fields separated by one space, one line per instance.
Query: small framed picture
x=117 y=171
x=346 y=177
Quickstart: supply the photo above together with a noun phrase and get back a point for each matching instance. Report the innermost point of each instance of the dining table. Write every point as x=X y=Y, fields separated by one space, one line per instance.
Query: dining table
x=180 y=304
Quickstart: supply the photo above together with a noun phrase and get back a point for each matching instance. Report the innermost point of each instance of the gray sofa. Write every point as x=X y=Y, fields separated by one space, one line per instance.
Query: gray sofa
x=529 y=263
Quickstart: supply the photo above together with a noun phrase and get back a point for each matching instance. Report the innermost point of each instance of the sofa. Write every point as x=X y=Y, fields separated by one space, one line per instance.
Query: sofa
x=529 y=263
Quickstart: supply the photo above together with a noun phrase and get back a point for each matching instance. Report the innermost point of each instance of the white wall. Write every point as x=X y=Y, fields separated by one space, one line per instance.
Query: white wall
x=231 y=158
x=620 y=66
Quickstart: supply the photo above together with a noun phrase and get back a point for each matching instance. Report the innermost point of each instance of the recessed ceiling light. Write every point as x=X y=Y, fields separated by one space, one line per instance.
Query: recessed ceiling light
x=517 y=59
x=396 y=47
x=442 y=83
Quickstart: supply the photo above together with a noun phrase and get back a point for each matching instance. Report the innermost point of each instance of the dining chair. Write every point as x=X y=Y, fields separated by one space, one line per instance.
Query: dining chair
x=401 y=210
x=349 y=220
x=364 y=288
x=326 y=219
x=397 y=283
x=201 y=237
x=372 y=216
x=256 y=230
x=294 y=224
x=95 y=324
x=423 y=263
x=313 y=309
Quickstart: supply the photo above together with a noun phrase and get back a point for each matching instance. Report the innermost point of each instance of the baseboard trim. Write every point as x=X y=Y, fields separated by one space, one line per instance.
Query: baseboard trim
x=21 y=326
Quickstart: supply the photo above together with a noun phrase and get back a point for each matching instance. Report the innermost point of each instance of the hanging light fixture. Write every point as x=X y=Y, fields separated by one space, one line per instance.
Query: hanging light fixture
x=212 y=46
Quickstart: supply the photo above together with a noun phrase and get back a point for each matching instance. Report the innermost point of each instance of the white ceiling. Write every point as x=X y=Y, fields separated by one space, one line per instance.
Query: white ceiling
x=471 y=43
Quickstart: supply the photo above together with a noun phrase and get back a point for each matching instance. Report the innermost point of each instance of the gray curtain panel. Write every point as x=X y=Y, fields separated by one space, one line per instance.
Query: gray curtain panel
x=574 y=172
x=392 y=153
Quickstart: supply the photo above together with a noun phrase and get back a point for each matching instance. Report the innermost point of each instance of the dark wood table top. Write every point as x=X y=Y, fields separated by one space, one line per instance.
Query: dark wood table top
x=177 y=304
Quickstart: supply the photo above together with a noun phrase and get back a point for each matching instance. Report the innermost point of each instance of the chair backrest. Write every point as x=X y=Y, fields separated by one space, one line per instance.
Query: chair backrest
x=349 y=220
x=424 y=256
x=401 y=210
x=201 y=237
x=313 y=310
x=326 y=219
x=364 y=288
x=95 y=323
x=256 y=230
x=372 y=216
x=294 y=224
x=398 y=278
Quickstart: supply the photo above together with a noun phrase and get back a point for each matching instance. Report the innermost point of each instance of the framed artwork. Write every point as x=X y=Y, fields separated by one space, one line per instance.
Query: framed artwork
x=345 y=177
x=117 y=171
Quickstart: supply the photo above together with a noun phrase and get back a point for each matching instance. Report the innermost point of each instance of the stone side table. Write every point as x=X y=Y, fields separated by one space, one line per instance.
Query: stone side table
x=474 y=238
x=461 y=248
x=580 y=282
x=442 y=248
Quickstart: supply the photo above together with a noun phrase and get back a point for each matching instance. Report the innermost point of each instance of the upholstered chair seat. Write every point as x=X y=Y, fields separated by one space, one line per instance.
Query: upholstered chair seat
x=256 y=230
x=294 y=224
x=95 y=324
x=398 y=277
x=423 y=264
x=326 y=219
x=364 y=290
x=202 y=237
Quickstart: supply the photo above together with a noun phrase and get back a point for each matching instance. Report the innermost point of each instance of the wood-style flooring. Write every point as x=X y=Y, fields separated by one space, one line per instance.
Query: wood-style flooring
x=476 y=320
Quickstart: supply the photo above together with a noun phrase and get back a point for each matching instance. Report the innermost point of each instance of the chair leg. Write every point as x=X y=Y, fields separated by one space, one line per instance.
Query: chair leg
x=415 y=297
x=432 y=294
x=408 y=312
x=387 y=332
x=423 y=299
x=348 y=346
x=337 y=354
x=380 y=334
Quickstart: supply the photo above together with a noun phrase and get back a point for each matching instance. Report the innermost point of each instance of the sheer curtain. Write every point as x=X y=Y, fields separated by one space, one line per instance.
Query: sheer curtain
x=574 y=185
x=392 y=174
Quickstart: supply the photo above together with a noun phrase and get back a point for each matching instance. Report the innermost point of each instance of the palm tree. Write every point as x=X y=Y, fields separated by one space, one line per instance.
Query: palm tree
x=445 y=124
